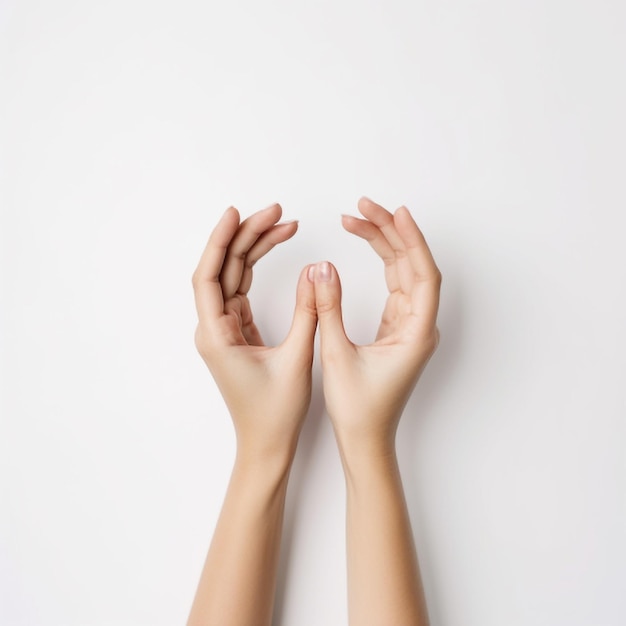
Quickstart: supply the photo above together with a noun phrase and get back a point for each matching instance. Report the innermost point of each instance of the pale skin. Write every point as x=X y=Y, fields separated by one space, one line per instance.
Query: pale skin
x=267 y=391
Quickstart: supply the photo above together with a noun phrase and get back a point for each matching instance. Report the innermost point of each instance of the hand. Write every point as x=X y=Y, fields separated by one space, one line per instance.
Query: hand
x=366 y=387
x=267 y=389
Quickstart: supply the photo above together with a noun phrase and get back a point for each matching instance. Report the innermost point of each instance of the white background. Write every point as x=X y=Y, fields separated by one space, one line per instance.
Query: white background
x=127 y=128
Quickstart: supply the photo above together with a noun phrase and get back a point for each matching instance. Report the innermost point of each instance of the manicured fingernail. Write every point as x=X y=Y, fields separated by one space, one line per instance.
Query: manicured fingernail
x=311 y=273
x=285 y=222
x=324 y=269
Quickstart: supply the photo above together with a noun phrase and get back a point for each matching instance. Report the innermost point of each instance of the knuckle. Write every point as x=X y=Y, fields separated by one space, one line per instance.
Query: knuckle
x=308 y=307
x=324 y=307
x=238 y=253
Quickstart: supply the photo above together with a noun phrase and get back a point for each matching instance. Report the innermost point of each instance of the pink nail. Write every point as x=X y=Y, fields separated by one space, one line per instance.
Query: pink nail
x=324 y=268
x=311 y=273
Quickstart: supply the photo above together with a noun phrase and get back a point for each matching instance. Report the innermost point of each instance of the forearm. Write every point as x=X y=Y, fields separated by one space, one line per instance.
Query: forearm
x=384 y=584
x=239 y=576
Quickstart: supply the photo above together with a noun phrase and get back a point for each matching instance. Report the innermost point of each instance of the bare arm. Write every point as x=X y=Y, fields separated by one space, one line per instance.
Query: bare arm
x=383 y=572
x=239 y=576
x=267 y=391
x=366 y=389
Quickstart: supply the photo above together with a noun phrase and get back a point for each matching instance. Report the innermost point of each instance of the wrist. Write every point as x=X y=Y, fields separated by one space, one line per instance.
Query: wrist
x=267 y=437
x=366 y=452
x=274 y=457
x=366 y=471
x=259 y=483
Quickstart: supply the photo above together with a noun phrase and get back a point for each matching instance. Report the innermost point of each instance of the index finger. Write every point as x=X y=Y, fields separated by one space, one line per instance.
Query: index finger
x=206 y=277
x=422 y=261
x=427 y=277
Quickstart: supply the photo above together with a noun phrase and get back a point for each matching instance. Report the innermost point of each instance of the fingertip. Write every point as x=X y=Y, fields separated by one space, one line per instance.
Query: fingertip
x=271 y=212
x=364 y=228
x=401 y=214
x=403 y=210
x=304 y=279
x=374 y=212
x=232 y=209
x=274 y=208
x=288 y=228
x=306 y=284
x=406 y=225
x=305 y=287
x=321 y=272
x=347 y=222
x=226 y=227
x=362 y=202
x=231 y=213
x=324 y=272
x=271 y=206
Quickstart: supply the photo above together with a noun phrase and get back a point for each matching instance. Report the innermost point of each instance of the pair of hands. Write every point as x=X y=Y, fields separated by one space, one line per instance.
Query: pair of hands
x=268 y=389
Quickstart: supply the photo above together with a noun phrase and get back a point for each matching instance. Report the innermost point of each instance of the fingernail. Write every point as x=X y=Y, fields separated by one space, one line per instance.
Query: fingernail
x=311 y=273
x=270 y=206
x=285 y=222
x=324 y=269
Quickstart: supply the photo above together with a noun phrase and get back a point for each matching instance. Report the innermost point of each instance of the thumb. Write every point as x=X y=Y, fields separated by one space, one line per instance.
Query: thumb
x=333 y=337
x=304 y=321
